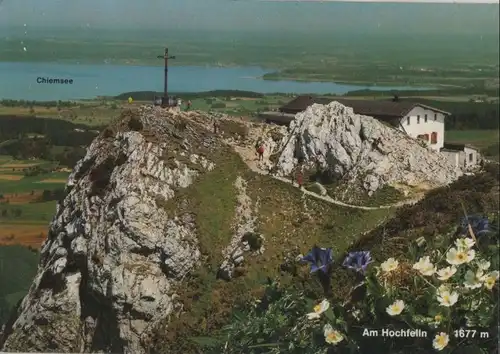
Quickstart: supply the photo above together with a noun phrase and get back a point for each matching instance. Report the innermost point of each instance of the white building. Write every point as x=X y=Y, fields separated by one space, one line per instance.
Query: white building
x=417 y=120
x=425 y=123
x=462 y=155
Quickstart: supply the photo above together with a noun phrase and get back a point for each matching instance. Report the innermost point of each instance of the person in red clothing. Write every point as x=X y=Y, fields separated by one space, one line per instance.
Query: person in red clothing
x=260 y=152
x=300 y=179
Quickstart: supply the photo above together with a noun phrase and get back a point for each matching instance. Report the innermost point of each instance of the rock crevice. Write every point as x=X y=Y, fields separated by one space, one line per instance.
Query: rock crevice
x=113 y=257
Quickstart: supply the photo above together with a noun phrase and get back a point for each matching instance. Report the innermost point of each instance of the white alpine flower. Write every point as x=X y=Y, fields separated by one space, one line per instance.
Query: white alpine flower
x=464 y=243
x=332 y=336
x=440 y=341
x=446 y=273
x=424 y=266
x=396 y=308
x=389 y=265
x=459 y=256
x=319 y=309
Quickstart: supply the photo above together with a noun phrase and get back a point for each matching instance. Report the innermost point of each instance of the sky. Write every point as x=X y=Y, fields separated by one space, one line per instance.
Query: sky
x=263 y=15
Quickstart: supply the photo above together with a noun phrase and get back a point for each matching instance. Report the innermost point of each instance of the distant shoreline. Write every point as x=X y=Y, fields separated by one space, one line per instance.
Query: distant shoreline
x=91 y=81
x=272 y=74
x=155 y=63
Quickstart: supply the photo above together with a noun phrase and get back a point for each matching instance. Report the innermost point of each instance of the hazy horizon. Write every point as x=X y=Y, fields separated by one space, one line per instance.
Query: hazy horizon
x=246 y=15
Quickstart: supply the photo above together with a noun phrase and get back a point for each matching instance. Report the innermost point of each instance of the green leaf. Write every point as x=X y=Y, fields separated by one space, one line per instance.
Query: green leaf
x=265 y=345
x=310 y=303
x=330 y=315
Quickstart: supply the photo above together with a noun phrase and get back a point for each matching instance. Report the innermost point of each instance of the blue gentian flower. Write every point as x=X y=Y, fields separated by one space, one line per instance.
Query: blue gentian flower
x=358 y=261
x=479 y=223
x=320 y=259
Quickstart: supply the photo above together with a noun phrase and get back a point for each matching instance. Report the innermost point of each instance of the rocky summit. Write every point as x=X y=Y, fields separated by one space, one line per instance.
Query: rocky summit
x=164 y=228
x=359 y=150
x=109 y=266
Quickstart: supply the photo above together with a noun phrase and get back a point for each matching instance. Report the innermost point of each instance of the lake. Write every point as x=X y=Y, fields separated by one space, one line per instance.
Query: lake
x=19 y=81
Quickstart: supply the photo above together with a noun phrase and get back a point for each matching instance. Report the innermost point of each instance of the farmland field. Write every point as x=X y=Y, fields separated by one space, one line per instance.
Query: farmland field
x=24 y=215
x=481 y=139
x=90 y=115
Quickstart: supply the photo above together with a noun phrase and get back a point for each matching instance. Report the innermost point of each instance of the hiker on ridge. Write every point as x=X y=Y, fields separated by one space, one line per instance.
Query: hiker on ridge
x=260 y=152
x=216 y=126
x=300 y=178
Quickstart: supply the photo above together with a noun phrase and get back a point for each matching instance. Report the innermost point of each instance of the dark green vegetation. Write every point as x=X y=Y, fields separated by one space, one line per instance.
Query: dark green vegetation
x=417 y=72
x=44 y=138
x=220 y=312
x=455 y=94
x=485 y=140
x=467 y=115
x=47 y=104
x=22 y=262
x=148 y=95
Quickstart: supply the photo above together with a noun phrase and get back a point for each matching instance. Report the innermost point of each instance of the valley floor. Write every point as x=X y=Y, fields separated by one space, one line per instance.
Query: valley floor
x=24 y=214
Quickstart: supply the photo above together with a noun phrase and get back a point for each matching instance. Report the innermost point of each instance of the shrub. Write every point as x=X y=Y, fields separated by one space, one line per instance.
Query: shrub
x=491 y=150
x=218 y=105
x=231 y=128
x=108 y=133
x=135 y=124
x=180 y=125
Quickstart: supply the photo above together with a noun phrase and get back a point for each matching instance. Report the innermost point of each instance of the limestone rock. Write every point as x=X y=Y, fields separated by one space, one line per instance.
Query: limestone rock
x=355 y=148
x=113 y=255
x=244 y=238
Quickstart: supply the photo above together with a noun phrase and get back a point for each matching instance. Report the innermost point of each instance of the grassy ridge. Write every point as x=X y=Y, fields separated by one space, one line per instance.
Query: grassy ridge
x=286 y=220
x=435 y=219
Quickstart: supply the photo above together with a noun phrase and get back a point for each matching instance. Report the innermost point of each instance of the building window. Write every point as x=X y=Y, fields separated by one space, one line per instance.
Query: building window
x=408 y=121
x=425 y=118
x=434 y=138
x=435 y=116
x=471 y=157
x=418 y=119
x=423 y=137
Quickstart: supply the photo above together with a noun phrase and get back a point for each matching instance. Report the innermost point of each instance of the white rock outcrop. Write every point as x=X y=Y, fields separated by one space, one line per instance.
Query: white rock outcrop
x=113 y=257
x=359 y=149
x=245 y=238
